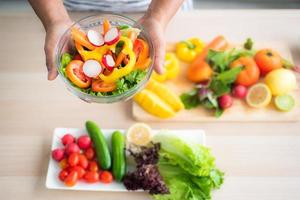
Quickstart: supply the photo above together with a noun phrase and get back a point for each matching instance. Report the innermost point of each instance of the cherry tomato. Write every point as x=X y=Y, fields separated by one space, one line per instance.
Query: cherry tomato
x=268 y=60
x=71 y=179
x=79 y=170
x=91 y=177
x=73 y=159
x=100 y=86
x=250 y=74
x=75 y=74
x=93 y=166
x=83 y=161
x=63 y=164
x=63 y=174
x=89 y=153
x=106 y=177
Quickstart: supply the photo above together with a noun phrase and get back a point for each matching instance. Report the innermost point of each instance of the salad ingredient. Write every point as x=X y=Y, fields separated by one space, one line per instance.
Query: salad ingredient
x=89 y=153
x=72 y=148
x=139 y=134
x=189 y=49
x=268 y=60
x=73 y=159
x=58 y=154
x=91 y=68
x=80 y=37
x=141 y=50
x=84 y=142
x=259 y=95
x=95 y=38
x=120 y=58
x=63 y=164
x=250 y=72
x=239 y=91
x=100 y=86
x=151 y=103
x=65 y=60
x=112 y=36
x=106 y=177
x=129 y=81
x=146 y=176
x=225 y=101
x=106 y=26
x=75 y=74
x=118 y=155
x=93 y=166
x=77 y=57
x=108 y=62
x=83 y=161
x=91 y=177
x=63 y=175
x=71 y=179
x=102 y=151
x=200 y=72
x=165 y=94
x=67 y=139
x=79 y=170
x=281 y=81
x=284 y=102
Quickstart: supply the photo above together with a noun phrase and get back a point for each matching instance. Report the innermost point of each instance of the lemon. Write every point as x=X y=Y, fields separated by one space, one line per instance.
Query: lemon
x=139 y=134
x=281 y=81
x=259 y=95
x=284 y=102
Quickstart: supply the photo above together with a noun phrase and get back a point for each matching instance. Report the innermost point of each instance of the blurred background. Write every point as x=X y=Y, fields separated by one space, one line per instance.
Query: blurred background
x=198 y=4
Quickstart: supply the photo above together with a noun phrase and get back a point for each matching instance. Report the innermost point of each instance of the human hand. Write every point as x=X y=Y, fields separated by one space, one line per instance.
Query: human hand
x=53 y=33
x=156 y=31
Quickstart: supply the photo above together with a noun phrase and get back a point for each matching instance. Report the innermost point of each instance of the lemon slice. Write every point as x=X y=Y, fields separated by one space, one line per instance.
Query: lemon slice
x=284 y=102
x=259 y=95
x=139 y=134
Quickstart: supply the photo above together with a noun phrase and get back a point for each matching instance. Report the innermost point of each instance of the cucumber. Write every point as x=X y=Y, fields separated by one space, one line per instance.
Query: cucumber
x=118 y=155
x=101 y=148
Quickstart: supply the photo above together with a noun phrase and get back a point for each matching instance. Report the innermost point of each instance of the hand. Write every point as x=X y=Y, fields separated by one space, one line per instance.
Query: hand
x=157 y=35
x=53 y=34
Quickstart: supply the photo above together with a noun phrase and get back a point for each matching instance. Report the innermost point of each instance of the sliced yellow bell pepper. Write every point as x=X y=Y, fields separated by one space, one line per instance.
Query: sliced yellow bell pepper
x=189 y=49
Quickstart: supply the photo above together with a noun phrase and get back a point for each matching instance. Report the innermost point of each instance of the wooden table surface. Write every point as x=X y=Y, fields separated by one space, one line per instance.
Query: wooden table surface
x=261 y=160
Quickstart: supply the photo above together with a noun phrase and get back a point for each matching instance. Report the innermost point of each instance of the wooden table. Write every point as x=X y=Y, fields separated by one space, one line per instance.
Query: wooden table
x=261 y=160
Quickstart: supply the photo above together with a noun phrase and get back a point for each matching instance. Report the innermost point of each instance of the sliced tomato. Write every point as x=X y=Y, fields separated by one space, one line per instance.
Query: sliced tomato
x=77 y=57
x=100 y=86
x=141 y=50
x=75 y=74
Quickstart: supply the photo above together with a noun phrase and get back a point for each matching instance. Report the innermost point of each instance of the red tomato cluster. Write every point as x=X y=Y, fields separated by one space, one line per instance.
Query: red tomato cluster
x=77 y=161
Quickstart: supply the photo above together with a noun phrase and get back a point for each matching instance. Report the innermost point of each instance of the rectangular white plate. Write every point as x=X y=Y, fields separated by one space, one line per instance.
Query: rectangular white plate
x=52 y=181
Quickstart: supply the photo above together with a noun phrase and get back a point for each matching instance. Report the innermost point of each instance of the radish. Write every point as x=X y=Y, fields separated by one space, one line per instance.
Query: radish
x=239 y=91
x=84 y=142
x=112 y=36
x=95 y=38
x=225 y=101
x=108 y=62
x=67 y=139
x=91 y=68
x=72 y=148
x=58 y=154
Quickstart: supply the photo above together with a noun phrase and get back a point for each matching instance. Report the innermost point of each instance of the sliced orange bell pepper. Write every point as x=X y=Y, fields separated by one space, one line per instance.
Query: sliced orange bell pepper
x=106 y=26
x=81 y=38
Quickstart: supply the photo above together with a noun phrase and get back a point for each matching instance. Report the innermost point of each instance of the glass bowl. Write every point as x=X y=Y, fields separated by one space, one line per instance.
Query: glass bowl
x=66 y=45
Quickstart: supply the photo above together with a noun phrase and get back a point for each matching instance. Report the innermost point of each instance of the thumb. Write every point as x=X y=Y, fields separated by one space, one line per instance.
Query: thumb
x=159 y=57
x=52 y=72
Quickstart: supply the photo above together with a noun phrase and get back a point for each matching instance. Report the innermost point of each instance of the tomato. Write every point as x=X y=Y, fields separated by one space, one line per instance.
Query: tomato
x=73 y=159
x=93 y=166
x=79 y=170
x=100 y=86
x=63 y=174
x=83 y=161
x=91 y=177
x=77 y=57
x=75 y=74
x=250 y=74
x=63 y=164
x=268 y=60
x=89 y=153
x=71 y=179
x=106 y=177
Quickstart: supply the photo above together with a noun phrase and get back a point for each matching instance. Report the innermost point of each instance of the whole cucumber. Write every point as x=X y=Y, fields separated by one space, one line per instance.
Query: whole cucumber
x=118 y=155
x=101 y=147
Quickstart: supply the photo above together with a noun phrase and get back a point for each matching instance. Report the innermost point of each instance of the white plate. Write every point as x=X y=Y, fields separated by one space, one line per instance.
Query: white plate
x=52 y=181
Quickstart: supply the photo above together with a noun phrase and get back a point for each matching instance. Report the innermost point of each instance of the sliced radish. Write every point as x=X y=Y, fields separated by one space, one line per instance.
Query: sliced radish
x=91 y=68
x=112 y=36
x=108 y=62
x=95 y=38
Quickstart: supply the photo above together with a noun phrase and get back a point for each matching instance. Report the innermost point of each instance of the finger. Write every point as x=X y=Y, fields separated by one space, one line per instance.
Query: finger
x=159 y=58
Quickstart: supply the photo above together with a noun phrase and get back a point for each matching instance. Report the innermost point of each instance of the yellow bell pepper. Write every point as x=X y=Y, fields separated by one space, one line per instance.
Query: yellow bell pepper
x=189 y=49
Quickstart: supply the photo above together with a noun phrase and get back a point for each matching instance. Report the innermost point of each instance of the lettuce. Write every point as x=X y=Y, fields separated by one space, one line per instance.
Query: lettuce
x=188 y=169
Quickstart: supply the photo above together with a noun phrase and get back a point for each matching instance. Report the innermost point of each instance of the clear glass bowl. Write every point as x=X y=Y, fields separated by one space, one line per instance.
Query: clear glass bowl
x=66 y=45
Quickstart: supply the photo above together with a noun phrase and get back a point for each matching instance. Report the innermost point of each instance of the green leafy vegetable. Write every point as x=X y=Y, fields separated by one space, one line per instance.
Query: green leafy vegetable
x=190 y=99
x=66 y=58
x=187 y=168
